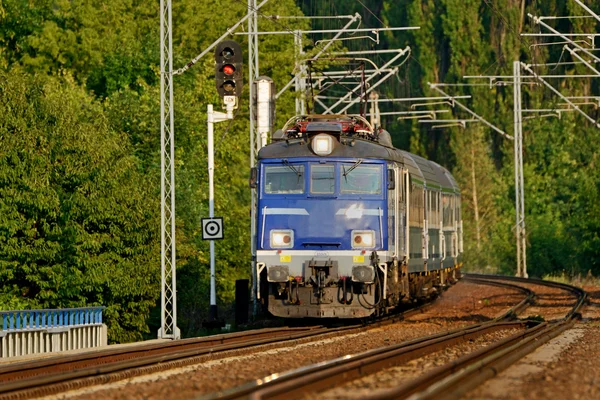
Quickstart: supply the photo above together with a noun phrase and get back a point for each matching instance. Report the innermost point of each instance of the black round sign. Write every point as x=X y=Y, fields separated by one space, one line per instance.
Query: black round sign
x=212 y=228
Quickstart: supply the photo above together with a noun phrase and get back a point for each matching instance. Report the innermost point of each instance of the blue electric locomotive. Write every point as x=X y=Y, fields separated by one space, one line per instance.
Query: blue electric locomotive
x=347 y=225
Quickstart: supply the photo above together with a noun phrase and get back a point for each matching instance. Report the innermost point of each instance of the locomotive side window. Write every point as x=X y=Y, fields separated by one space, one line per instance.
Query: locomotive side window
x=360 y=179
x=322 y=179
x=284 y=180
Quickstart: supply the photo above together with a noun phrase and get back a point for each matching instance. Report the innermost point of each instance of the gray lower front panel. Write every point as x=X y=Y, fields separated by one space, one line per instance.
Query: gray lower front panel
x=305 y=284
x=307 y=304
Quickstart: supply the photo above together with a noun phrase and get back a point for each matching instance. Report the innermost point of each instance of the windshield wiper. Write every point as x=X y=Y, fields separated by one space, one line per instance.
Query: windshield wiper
x=290 y=166
x=346 y=173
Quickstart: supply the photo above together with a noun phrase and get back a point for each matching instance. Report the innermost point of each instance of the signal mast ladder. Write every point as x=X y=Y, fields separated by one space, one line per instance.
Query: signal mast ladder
x=26 y=332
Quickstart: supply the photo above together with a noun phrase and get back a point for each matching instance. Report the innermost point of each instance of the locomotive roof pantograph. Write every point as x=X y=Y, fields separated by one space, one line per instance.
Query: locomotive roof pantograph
x=356 y=138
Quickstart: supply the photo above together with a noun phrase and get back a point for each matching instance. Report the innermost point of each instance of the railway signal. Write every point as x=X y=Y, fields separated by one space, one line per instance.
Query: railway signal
x=228 y=69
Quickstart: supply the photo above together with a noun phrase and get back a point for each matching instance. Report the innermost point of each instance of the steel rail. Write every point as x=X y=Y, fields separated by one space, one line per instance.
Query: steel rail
x=28 y=374
x=301 y=381
x=455 y=379
x=579 y=292
x=514 y=310
x=325 y=374
x=65 y=372
x=56 y=374
x=491 y=362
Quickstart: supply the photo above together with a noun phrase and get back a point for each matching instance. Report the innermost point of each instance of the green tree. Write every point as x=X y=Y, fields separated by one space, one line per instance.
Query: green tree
x=78 y=226
x=481 y=192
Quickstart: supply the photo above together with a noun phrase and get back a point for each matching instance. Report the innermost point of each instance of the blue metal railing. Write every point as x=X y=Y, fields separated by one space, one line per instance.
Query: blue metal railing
x=40 y=319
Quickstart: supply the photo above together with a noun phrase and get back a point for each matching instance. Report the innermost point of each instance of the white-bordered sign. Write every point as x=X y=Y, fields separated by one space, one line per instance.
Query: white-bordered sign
x=212 y=228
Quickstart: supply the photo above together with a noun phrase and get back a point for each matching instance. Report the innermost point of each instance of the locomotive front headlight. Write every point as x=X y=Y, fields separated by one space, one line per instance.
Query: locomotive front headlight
x=363 y=239
x=282 y=238
x=322 y=144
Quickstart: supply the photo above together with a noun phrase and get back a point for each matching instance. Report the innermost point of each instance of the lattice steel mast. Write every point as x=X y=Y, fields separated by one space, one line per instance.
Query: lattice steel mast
x=254 y=136
x=168 y=296
x=519 y=188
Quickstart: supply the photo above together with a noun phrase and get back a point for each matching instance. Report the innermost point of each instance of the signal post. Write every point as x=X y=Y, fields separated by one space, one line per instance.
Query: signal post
x=228 y=76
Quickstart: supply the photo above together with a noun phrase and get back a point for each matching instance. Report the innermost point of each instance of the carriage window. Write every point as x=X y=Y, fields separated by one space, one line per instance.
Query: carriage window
x=448 y=204
x=417 y=207
x=322 y=179
x=284 y=180
x=361 y=179
x=435 y=209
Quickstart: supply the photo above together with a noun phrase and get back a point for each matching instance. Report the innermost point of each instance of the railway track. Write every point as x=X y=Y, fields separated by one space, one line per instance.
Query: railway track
x=57 y=374
x=68 y=372
x=448 y=381
x=60 y=373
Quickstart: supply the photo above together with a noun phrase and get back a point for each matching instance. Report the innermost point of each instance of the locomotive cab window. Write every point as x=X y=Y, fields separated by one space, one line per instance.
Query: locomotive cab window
x=322 y=179
x=287 y=179
x=362 y=179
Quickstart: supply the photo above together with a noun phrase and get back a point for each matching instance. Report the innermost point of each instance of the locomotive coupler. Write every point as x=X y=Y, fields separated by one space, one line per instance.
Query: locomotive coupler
x=374 y=258
x=321 y=276
x=344 y=299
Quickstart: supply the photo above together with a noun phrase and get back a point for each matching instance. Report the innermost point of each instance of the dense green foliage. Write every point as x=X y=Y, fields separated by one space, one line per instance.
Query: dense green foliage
x=80 y=145
x=562 y=181
x=80 y=157
x=77 y=215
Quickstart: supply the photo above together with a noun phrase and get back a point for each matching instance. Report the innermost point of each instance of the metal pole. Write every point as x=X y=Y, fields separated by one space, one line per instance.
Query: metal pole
x=162 y=169
x=549 y=86
x=224 y=36
x=436 y=88
x=519 y=189
x=168 y=318
x=370 y=30
x=211 y=208
x=252 y=75
x=587 y=64
x=517 y=84
x=369 y=90
x=539 y=21
x=349 y=94
x=589 y=10
x=301 y=74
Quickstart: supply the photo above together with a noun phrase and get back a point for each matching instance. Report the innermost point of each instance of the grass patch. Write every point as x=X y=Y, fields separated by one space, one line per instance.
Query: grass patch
x=575 y=280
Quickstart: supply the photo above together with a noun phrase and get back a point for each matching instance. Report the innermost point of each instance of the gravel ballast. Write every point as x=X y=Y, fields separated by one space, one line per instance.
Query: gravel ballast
x=462 y=305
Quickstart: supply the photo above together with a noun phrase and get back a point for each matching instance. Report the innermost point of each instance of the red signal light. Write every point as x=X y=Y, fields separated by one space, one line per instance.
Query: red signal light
x=228 y=69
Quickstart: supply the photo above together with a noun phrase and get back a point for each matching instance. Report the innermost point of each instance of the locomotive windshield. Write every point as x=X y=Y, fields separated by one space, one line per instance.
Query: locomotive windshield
x=348 y=179
x=284 y=180
x=322 y=179
x=361 y=179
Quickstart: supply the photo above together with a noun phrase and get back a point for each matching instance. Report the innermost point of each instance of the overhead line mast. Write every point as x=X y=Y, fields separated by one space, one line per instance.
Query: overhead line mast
x=255 y=143
x=168 y=294
x=169 y=327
